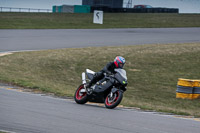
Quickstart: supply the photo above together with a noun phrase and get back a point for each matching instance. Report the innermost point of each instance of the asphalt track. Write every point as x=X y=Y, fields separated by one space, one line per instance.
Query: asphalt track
x=15 y=40
x=23 y=112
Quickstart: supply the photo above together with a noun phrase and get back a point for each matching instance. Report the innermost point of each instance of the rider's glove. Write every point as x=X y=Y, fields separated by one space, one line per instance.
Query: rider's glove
x=108 y=73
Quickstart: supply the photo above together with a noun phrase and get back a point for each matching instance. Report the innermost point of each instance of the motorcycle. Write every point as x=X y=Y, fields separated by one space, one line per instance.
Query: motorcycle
x=109 y=90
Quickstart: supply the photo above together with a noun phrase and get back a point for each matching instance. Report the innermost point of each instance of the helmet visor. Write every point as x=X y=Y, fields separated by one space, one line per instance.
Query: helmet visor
x=121 y=65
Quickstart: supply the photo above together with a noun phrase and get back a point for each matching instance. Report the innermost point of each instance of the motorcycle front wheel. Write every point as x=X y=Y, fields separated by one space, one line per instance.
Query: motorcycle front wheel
x=114 y=100
x=79 y=96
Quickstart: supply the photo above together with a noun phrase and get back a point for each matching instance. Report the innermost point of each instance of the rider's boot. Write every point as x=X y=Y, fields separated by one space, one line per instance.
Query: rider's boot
x=89 y=85
x=88 y=88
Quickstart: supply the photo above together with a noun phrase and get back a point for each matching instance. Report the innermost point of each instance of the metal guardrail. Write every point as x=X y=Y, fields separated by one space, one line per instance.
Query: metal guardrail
x=14 y=9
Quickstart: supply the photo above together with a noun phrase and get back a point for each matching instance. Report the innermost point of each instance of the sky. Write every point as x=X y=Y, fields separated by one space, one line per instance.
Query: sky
x=185 y=6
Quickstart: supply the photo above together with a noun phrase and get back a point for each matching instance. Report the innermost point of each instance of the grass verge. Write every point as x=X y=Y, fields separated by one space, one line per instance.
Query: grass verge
x=152 y=71
x=84 y=21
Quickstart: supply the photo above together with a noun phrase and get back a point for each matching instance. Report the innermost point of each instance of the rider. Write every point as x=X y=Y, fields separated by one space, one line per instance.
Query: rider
x=109 y=69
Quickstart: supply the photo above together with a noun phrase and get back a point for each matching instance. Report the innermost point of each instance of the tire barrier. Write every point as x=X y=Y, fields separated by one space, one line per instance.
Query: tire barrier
x=188 y=89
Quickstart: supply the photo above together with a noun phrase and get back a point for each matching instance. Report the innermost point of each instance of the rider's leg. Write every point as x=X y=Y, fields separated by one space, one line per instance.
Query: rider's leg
x=97 y=76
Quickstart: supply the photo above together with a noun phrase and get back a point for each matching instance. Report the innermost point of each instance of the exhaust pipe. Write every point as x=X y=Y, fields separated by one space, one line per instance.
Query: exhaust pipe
x=83 y=78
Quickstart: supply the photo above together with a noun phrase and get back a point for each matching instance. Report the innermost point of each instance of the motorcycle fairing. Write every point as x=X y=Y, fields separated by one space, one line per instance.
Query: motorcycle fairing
x=103 y=88
x=120 y=76
x=90 y=74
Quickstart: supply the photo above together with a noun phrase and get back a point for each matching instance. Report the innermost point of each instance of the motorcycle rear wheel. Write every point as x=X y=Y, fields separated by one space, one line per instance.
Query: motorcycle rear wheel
x=114 y=101
x=80 y=97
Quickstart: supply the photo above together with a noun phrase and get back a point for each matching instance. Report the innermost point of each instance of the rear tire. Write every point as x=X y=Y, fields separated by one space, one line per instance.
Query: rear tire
x=79 y=97
x=113 y=102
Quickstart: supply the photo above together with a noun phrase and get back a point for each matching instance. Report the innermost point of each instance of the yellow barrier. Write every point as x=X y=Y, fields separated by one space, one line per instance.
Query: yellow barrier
x=185 y=82
x=195 y=96
x=196 y=83
x=188 y=89
x=184 y=95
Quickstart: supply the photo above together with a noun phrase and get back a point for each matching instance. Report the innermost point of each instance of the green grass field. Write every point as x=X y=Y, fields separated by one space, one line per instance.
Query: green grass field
x=85 y=21
x=153 y=72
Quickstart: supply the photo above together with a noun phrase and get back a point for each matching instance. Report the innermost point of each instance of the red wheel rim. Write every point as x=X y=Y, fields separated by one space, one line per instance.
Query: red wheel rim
x=78 y=96
x=114 y=101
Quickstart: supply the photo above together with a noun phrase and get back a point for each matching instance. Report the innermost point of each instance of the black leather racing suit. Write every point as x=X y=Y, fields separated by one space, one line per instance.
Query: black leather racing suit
x=109 y=68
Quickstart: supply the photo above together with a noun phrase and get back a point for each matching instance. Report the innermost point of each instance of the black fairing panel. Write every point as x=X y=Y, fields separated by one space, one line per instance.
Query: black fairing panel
x=90 y=76
x=98 y=98
x=103 y=88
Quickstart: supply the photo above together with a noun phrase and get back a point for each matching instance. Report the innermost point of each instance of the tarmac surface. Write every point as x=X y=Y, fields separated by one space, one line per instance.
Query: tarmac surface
x=24 y=112
x=17 y=40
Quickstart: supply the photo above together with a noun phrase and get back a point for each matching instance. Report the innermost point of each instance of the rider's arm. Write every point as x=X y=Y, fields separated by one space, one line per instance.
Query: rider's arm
x=108 y=68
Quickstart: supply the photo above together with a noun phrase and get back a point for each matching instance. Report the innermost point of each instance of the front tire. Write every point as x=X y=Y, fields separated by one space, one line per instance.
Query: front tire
x=112 y=102
x=80 y=97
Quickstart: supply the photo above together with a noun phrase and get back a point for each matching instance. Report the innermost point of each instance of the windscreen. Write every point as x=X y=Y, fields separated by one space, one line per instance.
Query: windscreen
x=122 y=72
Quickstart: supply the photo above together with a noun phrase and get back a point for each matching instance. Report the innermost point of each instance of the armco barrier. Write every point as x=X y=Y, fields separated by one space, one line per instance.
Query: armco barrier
x=188 y=89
